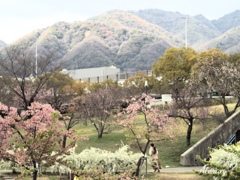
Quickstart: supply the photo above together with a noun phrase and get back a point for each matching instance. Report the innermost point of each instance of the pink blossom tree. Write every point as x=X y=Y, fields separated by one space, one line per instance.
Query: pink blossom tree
x=32 y=137
x=155 y=125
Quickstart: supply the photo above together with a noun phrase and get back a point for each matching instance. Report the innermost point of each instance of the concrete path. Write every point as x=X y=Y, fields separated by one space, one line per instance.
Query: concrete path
x=4 y=173
x=178 y=169
x=5 y=176
x=164 y=170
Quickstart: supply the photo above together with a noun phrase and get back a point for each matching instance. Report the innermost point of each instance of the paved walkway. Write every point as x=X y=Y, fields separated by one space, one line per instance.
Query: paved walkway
x=179 y=169
x=5 y=176
x=4 y=173
x=165 y=170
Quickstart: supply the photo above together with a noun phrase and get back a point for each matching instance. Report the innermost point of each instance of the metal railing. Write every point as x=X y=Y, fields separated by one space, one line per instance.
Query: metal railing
x=234 y=138
x=114 y=77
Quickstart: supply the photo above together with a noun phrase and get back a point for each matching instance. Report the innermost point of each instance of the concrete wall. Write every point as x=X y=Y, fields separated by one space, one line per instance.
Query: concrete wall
x=219 y=135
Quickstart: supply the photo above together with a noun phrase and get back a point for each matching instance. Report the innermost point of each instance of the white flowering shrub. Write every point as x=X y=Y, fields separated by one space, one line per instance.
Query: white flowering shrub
x=121 y=160
x=225 y=156
x=223 y=164
x=6 y=164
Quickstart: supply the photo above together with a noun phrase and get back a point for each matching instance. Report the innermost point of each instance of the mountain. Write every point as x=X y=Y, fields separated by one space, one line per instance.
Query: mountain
x=2 y=44
x=131 y=21
x=200 y=30
x=131 y=40
x=207 y=22
x=228 y=21
x=120 y=39
x=229 y=42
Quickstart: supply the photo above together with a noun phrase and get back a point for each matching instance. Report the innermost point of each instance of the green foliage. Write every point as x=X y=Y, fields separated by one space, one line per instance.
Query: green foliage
x=93 y=87
x=176 y=64
x=154 y=85
x=234 y=58
x=212 y=55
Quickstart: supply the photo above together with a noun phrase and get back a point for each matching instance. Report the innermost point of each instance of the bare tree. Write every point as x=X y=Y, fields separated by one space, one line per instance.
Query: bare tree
x=6 y=96
x=188 y=106
x=56 y=91
x=97 y=107
x=18 y=63
x=70 y=122
x=221 y=77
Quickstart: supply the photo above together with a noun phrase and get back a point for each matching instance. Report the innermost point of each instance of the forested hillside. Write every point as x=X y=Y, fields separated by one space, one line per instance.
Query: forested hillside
x=133 y=40
x=120 y=39
x=227 y=22
x=229 y=42
x=200 y=30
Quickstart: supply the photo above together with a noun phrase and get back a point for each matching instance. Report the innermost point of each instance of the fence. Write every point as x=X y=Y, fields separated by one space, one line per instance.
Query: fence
x=114 y=77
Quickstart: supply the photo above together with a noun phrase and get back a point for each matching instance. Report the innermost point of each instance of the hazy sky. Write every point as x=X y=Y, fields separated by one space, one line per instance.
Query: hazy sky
x=20 y=17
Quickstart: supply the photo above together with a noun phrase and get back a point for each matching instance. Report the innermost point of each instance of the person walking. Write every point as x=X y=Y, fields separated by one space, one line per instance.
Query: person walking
x=153 y=152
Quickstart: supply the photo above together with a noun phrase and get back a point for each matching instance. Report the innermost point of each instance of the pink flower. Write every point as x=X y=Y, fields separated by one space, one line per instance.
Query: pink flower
x=66 y=117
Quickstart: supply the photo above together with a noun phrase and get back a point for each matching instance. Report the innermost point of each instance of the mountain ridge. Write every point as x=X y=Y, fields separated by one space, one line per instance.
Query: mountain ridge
x=2 y=43
x=122 y=39
x=229 y=42
x=127 y=41
x=228 y=21
x=198 y=32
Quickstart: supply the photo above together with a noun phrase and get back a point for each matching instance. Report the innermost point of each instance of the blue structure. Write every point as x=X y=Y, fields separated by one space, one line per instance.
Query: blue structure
x=234 y=138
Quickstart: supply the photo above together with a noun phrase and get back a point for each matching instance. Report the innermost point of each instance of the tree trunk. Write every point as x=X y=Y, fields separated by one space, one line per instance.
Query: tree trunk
x=189 y=131
x=35 y=172
x=35 y=175
x=141 y=161
x=64 y=141
x=100 y=131
x=139 y=165
x=100 y=134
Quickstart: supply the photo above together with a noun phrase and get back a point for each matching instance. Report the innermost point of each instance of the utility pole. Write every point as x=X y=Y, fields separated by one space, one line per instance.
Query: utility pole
x=146 y=84
x=36 y=60
x=186 y=18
